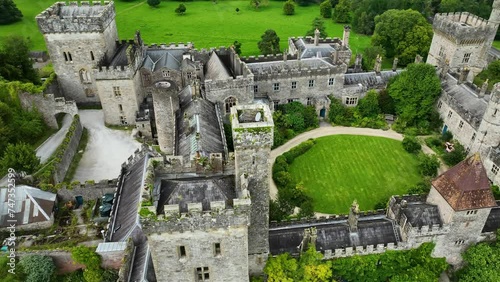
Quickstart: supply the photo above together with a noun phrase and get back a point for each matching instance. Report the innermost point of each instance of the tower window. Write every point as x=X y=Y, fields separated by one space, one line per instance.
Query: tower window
x=276 y=86
x=92 y=55
x=231 y=101
x=217 y=249
x=461 y=124
x=120 y=107
x=495 y=112
x=459 y=242
x=276 y=104
x=85 y=76
x=311 y=82
x=450 y=113
x=202 y=274
x=69 y=57
x=309 y=101
x=331 y=81
x=440 y=104
x=65 y=56
x=472 y=212
x=117 y=91
x=466 y=58
x=255 y=88
x=473 y=137
x=351 y=100
x=494 y=169
x=294 y=84
x=441 y=51
x=189 y=75
x=182 y=251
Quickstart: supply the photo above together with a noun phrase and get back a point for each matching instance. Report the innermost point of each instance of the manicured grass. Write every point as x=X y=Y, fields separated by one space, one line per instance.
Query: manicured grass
x=342 y=168
x=205 y=24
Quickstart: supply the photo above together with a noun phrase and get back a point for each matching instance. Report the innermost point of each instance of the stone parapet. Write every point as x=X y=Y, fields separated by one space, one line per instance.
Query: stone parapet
x=463 y=28
x=363 y=250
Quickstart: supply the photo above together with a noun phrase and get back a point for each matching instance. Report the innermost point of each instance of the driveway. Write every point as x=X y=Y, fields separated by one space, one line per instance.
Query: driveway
x=106 y=149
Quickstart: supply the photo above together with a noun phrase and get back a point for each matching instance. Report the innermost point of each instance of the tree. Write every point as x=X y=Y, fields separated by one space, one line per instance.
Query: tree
x=428 y=164
x=403 y=34
x=154 y=3
x=368 y=106
x=411 y=144
x=289 y=8
x=269 y=43
x=20 y=157
x=37 y=268
x=415 y=91
x=258 y=3
x=341 y=12
x=482 y=263
x=370 y=55
x=385 y=102
x=237 y=10
x=457 y=155
x=237 y=47
x=15 y=61
x=325 y=9
x=318 y=24
x=181 y=9
x=9 y=12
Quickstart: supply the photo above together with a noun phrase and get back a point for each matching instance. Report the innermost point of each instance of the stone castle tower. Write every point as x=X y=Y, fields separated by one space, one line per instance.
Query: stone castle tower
x=462 y=40
x=253 y=137
x=489 y=130
x=78 y=37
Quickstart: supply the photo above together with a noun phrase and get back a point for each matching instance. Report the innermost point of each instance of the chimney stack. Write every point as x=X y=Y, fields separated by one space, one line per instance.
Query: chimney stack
x=345 y=39
x=484 y=87
x=316 y=37
x=395 y=64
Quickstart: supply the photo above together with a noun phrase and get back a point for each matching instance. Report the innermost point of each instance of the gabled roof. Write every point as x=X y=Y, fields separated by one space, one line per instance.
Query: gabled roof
x=30 y=205
x=466 y=185
x=216 y=69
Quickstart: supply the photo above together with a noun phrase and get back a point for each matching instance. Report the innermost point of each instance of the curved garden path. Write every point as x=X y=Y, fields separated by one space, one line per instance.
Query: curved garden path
x=326 y=129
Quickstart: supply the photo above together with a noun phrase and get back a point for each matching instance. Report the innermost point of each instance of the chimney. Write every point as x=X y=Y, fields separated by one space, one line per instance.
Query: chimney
x=463 y=75
x=358 y=62
x=484 y=87
x=445 y=68
x=336 y=56
x=418 y=59
x=316 y=37
x=352 y=220
x=345 y=39
x=285 y=55
x=395 y=64
x=378 y=64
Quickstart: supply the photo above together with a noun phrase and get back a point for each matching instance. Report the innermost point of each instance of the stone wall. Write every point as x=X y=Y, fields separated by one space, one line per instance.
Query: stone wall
x=88 y=191
x=48 y=106
x=67 y=150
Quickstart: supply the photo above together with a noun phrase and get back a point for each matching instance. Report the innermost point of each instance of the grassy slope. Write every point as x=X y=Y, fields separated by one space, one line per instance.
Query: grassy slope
x=205 y=24
x=341 y=168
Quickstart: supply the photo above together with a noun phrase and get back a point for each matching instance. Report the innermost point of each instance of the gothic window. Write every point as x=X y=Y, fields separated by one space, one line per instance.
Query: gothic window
x=331 y=80
x=202 y=274
x=117 y=91
x=309 y=101
x=294 y=84
x=182 y=252
x=165 y=73
x=276 y=104
x=92 y=55
x=473 y=137
x=65 y=56
x=231 y=101
x=461 y=124
x=311 y=82
x=441 y=51
x=276 y=86
x=450 y=113
x=351 y=100
x=85 y=76
x=255 y=88
x=440 y=104
x=466 y=58
x=217 y=250
x=494 y=169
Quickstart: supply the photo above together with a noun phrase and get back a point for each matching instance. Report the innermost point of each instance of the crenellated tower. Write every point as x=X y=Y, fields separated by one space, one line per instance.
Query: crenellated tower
x=252 y=138
x=489 y=130
x=78 y=37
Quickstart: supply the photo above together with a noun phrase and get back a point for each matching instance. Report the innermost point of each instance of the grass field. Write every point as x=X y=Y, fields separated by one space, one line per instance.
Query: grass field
x=205 y=24
x=341 y=168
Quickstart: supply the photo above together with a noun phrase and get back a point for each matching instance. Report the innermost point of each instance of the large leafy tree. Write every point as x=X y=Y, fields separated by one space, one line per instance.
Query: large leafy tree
x=269 y=43
x=480 y=8
x=20 y=157
x=325 y=9
x=415 y=92
x=341 y=12
x=482 y=263
x=402 y=34
x=9 y=12
x=15 y=62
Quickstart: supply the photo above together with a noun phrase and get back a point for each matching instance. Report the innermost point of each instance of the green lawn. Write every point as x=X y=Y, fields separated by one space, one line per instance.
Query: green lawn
x=205 y=24
x=341 y=168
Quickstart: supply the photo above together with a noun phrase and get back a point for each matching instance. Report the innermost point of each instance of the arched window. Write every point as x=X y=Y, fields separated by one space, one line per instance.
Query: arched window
x=231 y=101
x=85 y=76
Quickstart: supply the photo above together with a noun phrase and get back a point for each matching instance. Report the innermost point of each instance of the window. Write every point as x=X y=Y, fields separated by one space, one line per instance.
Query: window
x=467 y=150
x=441 y=51
x=294 y=84
x=466 y=58
x=290 y=100
x=459 y=242
x=123 y=120
x=146 y=78
x=69 y=57
x=231 y=101
x=202 y=274
x=276 y=103
x=331 y=81
x=450 y=113
x=120 y=107
x=255 y=88
x=165 y=73
x=309 y=101
x=182 y=252
x=495 y=112
x=85 y=76
x=494 y=169
x=65 y=56
x=471 y=212
x=117 y=91
x=440 y=104
x=92 y=56
x=473 y=137
x=217 y=245
x=276 y=86
x=461 y=124
x=189 y=75
x=311 y=82
x=351 y=100
x=253 y=160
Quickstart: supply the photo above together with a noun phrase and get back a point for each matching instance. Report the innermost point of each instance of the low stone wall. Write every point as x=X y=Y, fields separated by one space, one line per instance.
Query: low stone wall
x=69 y=148
x=62 y=259
x=48 y=106
x=87 y=191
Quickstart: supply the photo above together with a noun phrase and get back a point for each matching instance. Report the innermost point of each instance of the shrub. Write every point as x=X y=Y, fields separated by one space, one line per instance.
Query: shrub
x=289 y=8
x=455 y=156
x=282 y=178
x=306 y=209
x=298 y=150
x=181 y=9
x=154 y=3
x=411 y=144
x=434 y=142
x=428 y=164
x=325 y=9
x=496 y=192
x=86 y=256
x=420 y=188
x=37 y=268
x=447 y=136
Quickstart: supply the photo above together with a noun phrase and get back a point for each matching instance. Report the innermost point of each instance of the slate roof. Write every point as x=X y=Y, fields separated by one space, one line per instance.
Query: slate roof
x=493 y=221
x=196 y=190
x=120 y=56
x=421 y=214
x=125 y=218
x=198 y=128
x=31 y=205
x=163 y=58
x=369 y=78
x=309 y=50
x=466 y=185
x=215 y=69
x=275 y=66
x=333 y=235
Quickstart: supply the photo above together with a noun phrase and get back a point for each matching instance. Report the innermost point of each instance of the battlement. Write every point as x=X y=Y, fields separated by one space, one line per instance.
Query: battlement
x=138 y=154
x=363 y=250
x=463 y=27
x=267 y=58
x=252 y=125
x=325 y=219
x=300 y=69
x=171 y=45
x=220 y=214
x=74 y=17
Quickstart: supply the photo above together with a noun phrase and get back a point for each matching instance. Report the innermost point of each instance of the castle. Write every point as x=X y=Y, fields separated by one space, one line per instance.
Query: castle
x=199 y=212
